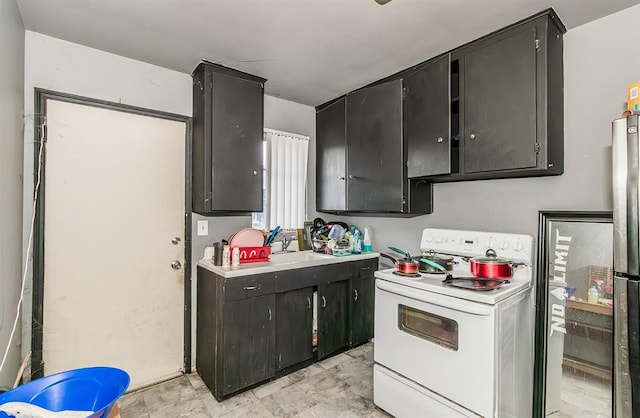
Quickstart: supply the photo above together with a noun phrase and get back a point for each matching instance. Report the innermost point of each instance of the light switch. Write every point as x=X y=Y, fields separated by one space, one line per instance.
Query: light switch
x=203 y=228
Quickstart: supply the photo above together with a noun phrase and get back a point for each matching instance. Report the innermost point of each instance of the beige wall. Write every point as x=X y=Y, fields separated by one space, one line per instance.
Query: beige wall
x=11 y=104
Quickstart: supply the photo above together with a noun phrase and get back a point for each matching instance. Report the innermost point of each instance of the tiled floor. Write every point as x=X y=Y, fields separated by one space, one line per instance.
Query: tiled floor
x=341 y=386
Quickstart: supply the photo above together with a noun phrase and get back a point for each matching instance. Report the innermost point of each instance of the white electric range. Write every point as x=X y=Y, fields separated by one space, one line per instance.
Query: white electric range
x=443 y=351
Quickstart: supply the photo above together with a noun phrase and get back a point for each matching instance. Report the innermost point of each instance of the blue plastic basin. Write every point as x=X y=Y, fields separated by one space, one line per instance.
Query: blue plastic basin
x=88 y=389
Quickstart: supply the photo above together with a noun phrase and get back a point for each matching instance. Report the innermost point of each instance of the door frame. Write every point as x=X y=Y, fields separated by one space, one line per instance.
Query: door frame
x=41 y=97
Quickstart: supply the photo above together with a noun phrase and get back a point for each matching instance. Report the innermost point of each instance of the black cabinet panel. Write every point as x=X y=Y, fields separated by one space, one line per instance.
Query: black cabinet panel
x=362 y=308
x=227 y=140
x=376 y=168
x=206 y=330
x=248 y=333
x=500 y=104
x=331 y=156
x=332 y=317
x=294 y=326
x=427 y=120
x=238 y=135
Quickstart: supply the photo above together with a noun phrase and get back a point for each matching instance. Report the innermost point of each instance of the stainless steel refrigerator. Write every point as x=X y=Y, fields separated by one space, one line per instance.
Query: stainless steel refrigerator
x=626 y=265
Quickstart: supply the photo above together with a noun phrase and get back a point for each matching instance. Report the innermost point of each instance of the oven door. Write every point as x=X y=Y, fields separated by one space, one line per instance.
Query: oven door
x=445 y=344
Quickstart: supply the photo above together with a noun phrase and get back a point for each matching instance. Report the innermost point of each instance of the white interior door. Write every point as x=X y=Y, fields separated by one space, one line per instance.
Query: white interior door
x=114 y=201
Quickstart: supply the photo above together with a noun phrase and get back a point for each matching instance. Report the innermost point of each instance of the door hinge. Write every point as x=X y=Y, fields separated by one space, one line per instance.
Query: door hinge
x=537 y=43
x=404 y=92
x=537 y=147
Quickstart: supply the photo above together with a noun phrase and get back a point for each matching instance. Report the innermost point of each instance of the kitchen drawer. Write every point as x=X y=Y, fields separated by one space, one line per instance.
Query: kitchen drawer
x=244 y=287
x=336 y=272
x=287 y=280
x=366 y=267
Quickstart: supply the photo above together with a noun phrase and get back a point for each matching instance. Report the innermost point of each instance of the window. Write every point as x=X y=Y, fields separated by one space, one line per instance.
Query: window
x=285 y=181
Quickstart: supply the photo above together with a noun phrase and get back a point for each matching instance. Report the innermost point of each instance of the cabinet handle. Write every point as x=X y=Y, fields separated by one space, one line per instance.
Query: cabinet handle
x=355 y=295
x=365 y=268
x=269 y=309
x=472 y=137
x=341 y=178
x=440 y=139
x=308 y=302
x=324 y=302
x=255 y=173
x=251 y=287
x=351 y=176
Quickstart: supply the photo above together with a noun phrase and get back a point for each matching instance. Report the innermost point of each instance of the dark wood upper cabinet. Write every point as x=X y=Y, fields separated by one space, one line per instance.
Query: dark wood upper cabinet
x=376 y=165
x=228 y=122
x=361 y=163
x=490 y=109
x=500 y=104
x=427 y=119
x=331 y=157
x=511 y=102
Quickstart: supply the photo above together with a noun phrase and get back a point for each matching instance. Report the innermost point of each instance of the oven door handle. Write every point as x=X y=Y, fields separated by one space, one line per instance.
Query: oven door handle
x=447 y=302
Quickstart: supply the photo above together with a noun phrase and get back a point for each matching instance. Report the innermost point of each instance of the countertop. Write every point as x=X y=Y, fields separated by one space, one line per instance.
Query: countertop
x=286 y=261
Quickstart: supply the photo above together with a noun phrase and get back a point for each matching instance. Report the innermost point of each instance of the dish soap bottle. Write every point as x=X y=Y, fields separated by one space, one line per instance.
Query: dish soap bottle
x=366 y=241
x=592 y=295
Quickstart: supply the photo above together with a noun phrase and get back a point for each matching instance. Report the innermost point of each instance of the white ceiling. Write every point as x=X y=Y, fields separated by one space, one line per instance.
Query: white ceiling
x=310 y=51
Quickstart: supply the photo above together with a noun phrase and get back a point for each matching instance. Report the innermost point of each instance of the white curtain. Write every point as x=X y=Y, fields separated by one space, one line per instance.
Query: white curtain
x=286 y=179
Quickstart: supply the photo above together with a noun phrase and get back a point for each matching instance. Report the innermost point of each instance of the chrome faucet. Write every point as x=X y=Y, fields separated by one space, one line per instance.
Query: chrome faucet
x=285 y=242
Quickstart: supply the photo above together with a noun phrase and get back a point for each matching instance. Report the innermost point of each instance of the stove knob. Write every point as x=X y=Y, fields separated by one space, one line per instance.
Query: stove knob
x=517 y=246
x=504 y=245
x=439 y=239
x=428 y=238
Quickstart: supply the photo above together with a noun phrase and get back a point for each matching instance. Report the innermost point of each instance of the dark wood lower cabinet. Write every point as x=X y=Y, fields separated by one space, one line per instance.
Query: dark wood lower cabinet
x=254 y=328
x=333 y=311
x=362 y=307
x=248 y=333
x=294 y=327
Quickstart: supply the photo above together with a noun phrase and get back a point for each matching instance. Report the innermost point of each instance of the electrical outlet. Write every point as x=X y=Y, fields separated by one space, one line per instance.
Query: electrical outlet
x=203 y=228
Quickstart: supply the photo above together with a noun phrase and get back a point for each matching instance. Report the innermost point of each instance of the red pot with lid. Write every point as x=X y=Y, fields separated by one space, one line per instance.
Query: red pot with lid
x=490 y=266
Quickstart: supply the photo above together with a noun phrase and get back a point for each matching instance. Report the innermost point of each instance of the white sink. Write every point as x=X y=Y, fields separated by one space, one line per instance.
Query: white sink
x=296 y=257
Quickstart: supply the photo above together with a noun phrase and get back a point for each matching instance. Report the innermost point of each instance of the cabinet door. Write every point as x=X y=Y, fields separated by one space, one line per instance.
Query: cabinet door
x=332 y=317
x=237 y=134
x=499 y=100
x=331 y=157
x=294 y=327
x=248 y=346
x=362 y=308
x=427 y=120
x=375 y=158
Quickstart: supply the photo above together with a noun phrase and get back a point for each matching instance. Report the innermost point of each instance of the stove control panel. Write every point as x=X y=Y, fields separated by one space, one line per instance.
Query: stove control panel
x=476 y=243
